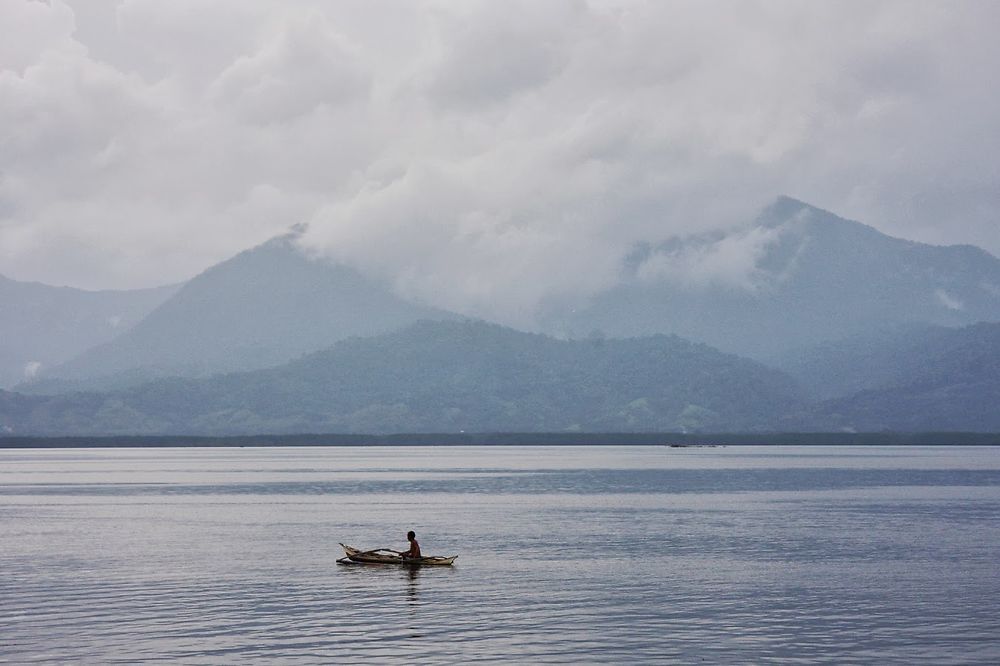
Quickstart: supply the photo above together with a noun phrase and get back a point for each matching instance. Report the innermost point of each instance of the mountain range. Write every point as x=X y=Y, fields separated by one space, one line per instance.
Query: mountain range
x=847 y=329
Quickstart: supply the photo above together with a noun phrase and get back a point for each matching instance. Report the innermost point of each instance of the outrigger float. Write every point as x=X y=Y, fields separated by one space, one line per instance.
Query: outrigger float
x=388 y=556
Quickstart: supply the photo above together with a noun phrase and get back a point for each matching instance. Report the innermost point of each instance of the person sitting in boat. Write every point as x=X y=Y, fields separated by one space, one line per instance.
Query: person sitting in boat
x=414 y=550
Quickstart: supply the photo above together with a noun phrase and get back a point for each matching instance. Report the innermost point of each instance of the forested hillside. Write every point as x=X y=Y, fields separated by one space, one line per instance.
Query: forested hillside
x=448 y=377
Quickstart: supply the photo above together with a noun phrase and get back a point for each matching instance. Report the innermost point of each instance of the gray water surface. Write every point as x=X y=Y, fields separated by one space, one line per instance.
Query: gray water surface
x=566 y=554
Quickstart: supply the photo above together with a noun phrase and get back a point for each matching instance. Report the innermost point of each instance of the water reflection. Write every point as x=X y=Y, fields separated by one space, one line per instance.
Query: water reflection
x=413 y=577
x=412 y=600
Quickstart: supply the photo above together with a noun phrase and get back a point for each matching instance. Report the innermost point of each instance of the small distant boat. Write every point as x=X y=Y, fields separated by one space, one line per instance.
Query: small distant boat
x=388 y=556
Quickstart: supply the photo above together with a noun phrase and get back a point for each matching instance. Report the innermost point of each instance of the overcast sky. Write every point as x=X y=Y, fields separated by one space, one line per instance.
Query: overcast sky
x=477 y=152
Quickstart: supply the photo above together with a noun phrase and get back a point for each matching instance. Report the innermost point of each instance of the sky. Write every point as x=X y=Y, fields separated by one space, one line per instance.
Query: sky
x=479 y=155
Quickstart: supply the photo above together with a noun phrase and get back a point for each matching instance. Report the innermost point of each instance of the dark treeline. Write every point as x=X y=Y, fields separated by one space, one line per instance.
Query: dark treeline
x=518 y=439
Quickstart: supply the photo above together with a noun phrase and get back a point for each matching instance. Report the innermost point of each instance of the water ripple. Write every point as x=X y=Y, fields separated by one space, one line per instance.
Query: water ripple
x=792 y=565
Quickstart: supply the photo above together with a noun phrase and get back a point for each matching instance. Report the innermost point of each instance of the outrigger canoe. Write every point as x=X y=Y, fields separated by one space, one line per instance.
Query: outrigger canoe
x=387 y=556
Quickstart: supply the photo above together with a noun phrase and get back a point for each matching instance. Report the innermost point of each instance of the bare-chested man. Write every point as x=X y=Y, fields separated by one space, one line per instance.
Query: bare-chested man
x=414 y=550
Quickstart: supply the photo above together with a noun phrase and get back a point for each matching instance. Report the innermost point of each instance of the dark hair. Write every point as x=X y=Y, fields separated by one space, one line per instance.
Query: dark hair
x=411 y=535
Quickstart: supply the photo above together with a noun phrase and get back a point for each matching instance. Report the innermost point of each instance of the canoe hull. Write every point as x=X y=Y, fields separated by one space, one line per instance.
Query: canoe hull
x=358 y=556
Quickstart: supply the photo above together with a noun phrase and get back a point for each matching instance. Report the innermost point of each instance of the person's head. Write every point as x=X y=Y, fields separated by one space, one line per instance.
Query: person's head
x=411 y=535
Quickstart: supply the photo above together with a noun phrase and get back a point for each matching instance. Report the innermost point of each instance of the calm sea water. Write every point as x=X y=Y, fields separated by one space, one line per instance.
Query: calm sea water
x=639 y=555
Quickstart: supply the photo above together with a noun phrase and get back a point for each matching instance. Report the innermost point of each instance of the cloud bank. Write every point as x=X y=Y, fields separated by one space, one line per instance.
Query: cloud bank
x=478 y=155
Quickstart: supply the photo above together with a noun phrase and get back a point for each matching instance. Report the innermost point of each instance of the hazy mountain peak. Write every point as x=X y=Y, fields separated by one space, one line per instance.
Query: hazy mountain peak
x=797 y=275
x=751 y=257
x=786 y=212
x=264 y=306
x=782 y=209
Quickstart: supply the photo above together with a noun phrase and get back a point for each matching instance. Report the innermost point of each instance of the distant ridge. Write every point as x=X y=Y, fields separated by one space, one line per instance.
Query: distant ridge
x=42 y=325
x=948 y=379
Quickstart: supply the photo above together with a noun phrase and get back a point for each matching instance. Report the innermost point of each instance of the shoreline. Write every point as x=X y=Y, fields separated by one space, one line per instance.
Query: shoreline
x=674 y=440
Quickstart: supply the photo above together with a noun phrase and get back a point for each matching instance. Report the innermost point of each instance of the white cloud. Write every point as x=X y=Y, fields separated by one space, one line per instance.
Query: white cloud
x=486 y=53
x=188 y=41
x=31 y=369
x=731 y=260
x=480 y=155
x=303 y=66
x=31 y=29
x=947 y=300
